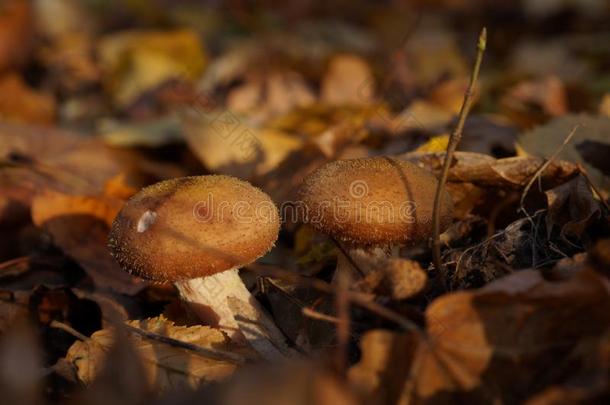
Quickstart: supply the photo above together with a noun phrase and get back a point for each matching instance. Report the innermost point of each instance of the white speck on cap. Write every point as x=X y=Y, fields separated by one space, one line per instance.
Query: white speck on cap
x=146 y=220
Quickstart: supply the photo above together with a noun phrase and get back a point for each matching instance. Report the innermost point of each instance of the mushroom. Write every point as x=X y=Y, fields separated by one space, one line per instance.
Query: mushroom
x=370 y=206
x=197 y=232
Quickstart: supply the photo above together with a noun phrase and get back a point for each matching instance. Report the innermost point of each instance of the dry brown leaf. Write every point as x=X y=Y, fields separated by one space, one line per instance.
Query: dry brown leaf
x=16 y=33
x=512 y=339
x=298 y=383
x=270 y=93
x=485 y=171
x=450 y=94
x=545 y=140
x=599 y=257
x=380 y=375
x=70 y=60
x=395 y=277
x=48 y=204
x=433 y=53
x=604 y=105
x=166 y=367
x=25 y=104
x=32 y=158
x=13 y=307
x=79 y=225
x=572 y=208
x=20 y=369
x=347 y=81
x=532 y=102
x=137 y=61
x=229 y=144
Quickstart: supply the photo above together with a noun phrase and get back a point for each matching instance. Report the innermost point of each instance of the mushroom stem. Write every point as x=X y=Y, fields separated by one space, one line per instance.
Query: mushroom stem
x=358 y=262
x=222 y=300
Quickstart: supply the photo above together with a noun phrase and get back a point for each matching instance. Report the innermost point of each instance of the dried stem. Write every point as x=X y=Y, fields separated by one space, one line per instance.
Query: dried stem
x=545 y=165
x=454 y=140
x=202 y=351
x=343 y=326
x=359 y=299
x=319 y=316
x=349 y=258
x=68 y=329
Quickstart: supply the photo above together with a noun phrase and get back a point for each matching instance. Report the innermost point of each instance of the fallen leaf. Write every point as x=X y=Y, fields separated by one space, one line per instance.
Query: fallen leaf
x=380 y=375
x=449 y=94
x=422 y=115
x=508 y=341
x=229 y=144
x=347 y=81
x=114 y=370
x=20 y=368
x=437 y=143
x=299 y=383
x=34 y=158
x=604 y=105
x=433 y=54
x=137 y=61
x=533 y=102
x=13 y=308
x=70 y=61
x=595 y=154
x=25 y=104
x=533 y=57
x=150 y=133
x=544 y=141
x=599 y=257
x=79 y=225
x=165 y=366
x=485 y=171
x=572 y=208
x=16 y=33
x=269 y=93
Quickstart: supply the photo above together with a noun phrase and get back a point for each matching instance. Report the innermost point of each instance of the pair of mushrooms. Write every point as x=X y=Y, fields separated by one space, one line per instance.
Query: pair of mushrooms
x=198 y=231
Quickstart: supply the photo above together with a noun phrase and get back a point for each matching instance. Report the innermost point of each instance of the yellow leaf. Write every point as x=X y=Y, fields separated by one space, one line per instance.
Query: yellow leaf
x=435 y=144
x=137 y=61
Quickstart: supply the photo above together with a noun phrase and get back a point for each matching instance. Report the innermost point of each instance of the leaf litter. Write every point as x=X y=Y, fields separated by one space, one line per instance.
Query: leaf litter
x=104 y=100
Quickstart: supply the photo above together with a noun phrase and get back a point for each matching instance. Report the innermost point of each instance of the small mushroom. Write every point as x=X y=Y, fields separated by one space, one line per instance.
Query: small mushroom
x=196 y=232
x=370 y=206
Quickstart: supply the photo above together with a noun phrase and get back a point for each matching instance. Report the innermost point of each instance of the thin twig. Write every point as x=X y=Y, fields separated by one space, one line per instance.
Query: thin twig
x=343 y=326
x=349 y=258
x=68 y=329
x=545 y=165
x=362 y=300
x=319 y=316
x=203 y=351
x=454 y=140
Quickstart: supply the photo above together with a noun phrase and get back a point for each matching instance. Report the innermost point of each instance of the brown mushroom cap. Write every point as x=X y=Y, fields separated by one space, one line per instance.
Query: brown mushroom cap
x=373 y=201
x=193 y=227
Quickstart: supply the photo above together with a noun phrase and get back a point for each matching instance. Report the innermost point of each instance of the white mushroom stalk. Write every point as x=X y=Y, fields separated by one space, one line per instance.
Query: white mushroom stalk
x=222 y=300
x=196 y=232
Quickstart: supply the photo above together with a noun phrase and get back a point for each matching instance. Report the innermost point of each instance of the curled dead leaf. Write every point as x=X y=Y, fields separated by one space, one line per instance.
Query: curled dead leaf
x=507 y=341
x=572 y=208
x=79 y=225
x=165 y=366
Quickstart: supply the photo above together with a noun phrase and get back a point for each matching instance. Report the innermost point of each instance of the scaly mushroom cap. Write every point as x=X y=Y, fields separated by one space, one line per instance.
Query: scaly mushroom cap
x=193 y=227
x=373 y=201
